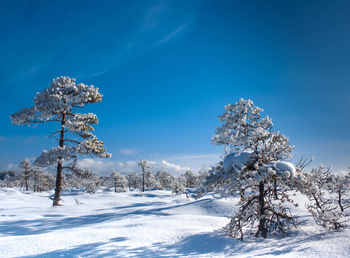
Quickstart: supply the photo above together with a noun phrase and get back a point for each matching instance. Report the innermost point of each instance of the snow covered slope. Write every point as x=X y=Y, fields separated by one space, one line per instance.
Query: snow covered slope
x=154 y=224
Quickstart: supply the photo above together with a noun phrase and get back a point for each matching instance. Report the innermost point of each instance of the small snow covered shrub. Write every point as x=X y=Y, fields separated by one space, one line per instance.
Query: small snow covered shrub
x=132 y=181
x=88 y=182
x=119 y=182
x=177 y=186
x=47 y=181
x=328 y=196
x=190 y=180
x=31 y=175
x=27 y=172
x=253 y=169
x=150 y=180
x=164 y=179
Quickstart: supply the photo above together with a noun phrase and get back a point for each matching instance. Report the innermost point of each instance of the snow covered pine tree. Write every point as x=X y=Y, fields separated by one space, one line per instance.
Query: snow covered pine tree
x=30 y=173
x=57 y=104
x=26 y=166
x=145 y=165
x=119 y=182
x=253 y=163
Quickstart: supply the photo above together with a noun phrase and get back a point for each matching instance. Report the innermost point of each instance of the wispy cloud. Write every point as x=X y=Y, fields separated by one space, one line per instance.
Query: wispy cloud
x=30 y=71
x=161 y=23
x=154 y=15
x=158 y=23
x=172 y=34
x=31 y=139
x=99 y=73
x=21 y=75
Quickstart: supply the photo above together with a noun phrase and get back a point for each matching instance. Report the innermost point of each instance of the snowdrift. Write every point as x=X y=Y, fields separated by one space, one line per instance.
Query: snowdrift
x=153 y=224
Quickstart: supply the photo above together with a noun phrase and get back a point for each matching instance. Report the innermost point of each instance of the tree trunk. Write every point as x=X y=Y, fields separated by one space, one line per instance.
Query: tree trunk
x=143 y=179
x=275 y=187
x=339 y=201
x=262 y=222
x=57 y=198
x=26 y=180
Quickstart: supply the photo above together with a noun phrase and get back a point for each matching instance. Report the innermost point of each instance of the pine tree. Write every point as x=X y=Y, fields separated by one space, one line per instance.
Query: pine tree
x=150 y=180
x=133 y=181
x=119 y=182
x=248 y=171
x=177 y=186
x=58 y=104
x=164 y=179
x=47 y=181
x=26 y=166
x=37 y=179
x=145 y=166
x=190 y=180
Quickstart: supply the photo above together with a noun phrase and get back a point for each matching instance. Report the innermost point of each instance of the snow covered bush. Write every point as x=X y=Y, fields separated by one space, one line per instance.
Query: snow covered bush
x=47 y=181
x=31 y=175
x=58 y=104
x=190 y=180
x=27 y=172
x=202 y=175
x=177 y=186
x=119 y=182
x=133 y=181
x=253 y=168
x=164 y=179
x=150 y=180
x=37 y=180
x=10 y=178
x=328 y=196
x=88 y=182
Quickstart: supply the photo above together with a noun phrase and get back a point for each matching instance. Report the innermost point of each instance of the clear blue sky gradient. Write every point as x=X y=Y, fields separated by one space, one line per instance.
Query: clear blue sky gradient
x=167 y=68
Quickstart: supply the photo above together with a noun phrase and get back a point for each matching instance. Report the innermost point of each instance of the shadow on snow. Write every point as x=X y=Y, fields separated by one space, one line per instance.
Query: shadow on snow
x=214 y=243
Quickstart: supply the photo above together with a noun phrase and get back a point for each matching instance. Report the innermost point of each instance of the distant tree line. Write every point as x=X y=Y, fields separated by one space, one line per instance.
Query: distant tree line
x=31 y=178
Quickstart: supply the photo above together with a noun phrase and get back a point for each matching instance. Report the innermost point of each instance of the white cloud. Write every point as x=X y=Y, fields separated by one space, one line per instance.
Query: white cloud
x=106 y=166
x=96 y=165
x=11 y=166
x=176 y=164
x=194 y=161
x=175 y=167
x=341 y=172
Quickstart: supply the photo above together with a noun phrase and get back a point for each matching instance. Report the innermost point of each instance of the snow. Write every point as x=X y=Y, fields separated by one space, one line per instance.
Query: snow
x=152 y=224
x=284 y=167
x=236 y=160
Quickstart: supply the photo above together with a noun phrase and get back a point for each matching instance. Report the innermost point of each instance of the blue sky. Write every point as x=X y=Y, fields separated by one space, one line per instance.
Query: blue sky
x=167 y=68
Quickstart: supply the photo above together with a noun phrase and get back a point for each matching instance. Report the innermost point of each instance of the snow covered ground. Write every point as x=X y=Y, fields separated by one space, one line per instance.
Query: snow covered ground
x=155 y=224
